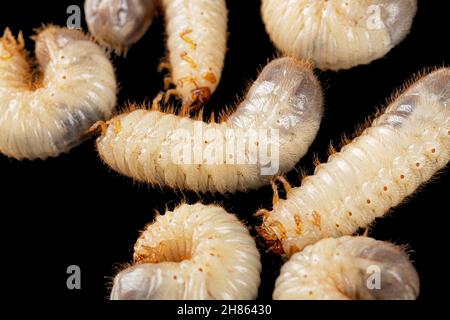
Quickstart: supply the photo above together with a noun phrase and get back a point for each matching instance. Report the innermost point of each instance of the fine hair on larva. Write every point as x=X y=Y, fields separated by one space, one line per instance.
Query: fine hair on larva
x=195 y=252
x=402 y=149
x=46 y=111
x=268 y=133
x=196 y=39
x=355 y=268
x=338 y=34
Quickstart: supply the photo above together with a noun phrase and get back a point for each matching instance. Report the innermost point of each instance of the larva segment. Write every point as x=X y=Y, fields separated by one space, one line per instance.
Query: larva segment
x=194 y=252
x=402 y=149
x=280 y=116
x=119 y=23
x=197 y=34
x=46 y=112
x=338 y=34
x=356 y=268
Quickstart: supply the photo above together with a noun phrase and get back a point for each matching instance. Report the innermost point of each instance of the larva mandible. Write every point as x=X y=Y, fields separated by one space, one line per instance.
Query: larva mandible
x=340 y=269
x=46 y=113
x=281 y=112
x=402 y=149
x=337 y=34
x=196 y=42
x=119 y=23
x=194 y=252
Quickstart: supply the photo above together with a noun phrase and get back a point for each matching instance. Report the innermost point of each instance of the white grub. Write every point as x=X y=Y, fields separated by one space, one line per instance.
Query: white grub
x=195 y=252
x=402 y=149
x=338 y=34
x=285 y=102
x=356 y=268
x=47 y=112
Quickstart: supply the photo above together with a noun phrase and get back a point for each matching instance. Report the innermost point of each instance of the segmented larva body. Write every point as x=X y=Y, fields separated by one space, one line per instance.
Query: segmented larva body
x=338 y=34
x=196 y=30
x=47 y=113
x=402 y=149
x=348 y=268
x=281 y=112
x=194 y=252
x=119 y=23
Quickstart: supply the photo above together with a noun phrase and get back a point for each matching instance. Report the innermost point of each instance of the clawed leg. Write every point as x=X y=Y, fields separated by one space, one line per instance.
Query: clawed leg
x=98 y=128
x=275 y=197
x=169 y=93
x=286 y=184
x=167 y=82
x=157 y=101
x=264 y=213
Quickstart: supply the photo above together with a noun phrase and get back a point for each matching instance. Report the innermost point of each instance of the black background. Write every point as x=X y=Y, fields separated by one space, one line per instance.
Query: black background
x=74 y=210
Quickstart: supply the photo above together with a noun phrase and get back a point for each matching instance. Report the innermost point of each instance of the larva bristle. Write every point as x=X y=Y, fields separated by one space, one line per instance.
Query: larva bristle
x=316 y=160
x=331 y=149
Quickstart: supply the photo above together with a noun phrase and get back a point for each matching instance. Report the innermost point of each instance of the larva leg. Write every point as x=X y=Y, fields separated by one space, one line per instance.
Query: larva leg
x=194 y=252
x=49 y=114
x=119 y=24
x=348 y=268
x=338 y=34
x=402 y=149
x=281 y=114
x=197 y=32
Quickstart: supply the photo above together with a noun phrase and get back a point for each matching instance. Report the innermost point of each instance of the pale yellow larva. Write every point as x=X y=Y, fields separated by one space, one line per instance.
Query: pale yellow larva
x=196 y=38
x=402 y=149
x=195 y=252
x=338 y=34
x=356 y=268
x=269 y=132
x=46 y=113
x=197 y=34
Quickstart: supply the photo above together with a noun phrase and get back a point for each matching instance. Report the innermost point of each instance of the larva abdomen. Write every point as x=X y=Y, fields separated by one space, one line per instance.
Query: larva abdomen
x=274 y=126
x=44 y=116
x=338 y=34
x=117 y=23
x=340 y=268
x=194 y=252
x=402 y=149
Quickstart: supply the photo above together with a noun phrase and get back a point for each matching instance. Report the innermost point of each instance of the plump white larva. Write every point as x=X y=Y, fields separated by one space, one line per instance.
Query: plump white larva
x=402 y=149
x=47 y=113
x=279 y=118
x=358 y=268
x=119 y=23
x=338 y=34
x=196 y=31
x=194 y=252
x=197 y=42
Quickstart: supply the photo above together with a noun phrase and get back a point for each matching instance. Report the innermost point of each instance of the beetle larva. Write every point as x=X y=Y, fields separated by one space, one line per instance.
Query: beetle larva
x=196 y=42
x=348 y=268
x=119 y=23
x=337 y=34
x=402 y=149
x=269 y=132
x=194 y=252
x=47 y=113
x=197 y=34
